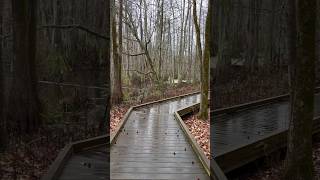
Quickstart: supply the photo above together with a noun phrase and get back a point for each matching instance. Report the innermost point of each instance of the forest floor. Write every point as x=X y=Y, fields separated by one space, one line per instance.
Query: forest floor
x=271 y=168
x=28 y=158
x=118 y=111
x=200 y=129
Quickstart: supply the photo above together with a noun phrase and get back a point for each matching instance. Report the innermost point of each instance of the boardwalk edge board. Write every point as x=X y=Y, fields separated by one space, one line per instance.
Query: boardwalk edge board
x=254 y=104
x=196 y=148
x=217 y=173
x=250 y=152
x=57 y=166
x=234 y=159
x=118 y=129
x=115 y=134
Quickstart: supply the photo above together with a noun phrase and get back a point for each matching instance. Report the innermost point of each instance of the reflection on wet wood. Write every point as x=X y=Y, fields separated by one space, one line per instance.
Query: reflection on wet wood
x=242 y=136
x=151 y=145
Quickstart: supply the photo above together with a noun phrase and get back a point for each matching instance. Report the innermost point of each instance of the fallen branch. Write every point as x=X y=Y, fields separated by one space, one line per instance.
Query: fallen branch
x=139 y=54
x=77 y=27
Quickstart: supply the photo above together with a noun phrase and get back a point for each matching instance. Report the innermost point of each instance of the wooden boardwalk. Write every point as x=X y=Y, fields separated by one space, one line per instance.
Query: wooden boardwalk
x=232 y=131
x=88 y=165
x=152 y=145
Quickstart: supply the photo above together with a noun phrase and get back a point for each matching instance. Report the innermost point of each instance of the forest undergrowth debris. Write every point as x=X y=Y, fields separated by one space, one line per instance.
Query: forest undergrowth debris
x=200 y=129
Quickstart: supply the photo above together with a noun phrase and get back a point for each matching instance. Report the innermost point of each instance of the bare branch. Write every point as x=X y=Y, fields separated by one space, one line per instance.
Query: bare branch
x=71 y=85
x=139 y=54
x=129 y=39
x=75 y=26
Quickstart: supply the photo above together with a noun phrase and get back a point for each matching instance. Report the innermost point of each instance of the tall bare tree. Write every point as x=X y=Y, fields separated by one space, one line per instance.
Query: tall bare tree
x=198 y=33
x=204 y=103
x=24 y=105
x=204 y=85
x=106 y=123
x=302 y=22
x=117 y=94
x=2 y=120
x=160 y=34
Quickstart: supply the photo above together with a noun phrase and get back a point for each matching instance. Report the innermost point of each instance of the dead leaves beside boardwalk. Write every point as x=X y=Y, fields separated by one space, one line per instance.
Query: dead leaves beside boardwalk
x=201 y=131
x=116 y=114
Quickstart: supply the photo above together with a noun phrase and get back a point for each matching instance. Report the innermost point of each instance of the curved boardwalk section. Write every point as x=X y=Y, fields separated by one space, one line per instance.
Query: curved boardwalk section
x=88 y=165
x=152 y=145
x=235 y=130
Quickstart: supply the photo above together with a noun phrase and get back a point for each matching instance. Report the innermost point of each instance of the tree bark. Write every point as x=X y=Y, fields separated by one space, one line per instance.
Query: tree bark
x=181 y=50
x=160 y=38
x=24 y=105
x=299 y=164
x=204 y=103
x=199 y=52
x=105 y=124
x=117 y=95
x=223 y=9
x=2 y=119
x=198 y=40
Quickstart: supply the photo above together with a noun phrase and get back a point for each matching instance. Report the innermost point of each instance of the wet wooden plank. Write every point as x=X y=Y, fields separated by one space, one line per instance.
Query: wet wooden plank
x=153 y=164
x=96 y=146
x=151 y=145
x=88 y=165
x=195 y=146
x=156 y=176
x=178 y=161
x=157 y=170
x=248 y=153
x=234 y=131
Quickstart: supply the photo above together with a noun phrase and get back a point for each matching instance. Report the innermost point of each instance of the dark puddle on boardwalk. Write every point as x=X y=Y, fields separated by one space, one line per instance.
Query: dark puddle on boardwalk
x=152 y=145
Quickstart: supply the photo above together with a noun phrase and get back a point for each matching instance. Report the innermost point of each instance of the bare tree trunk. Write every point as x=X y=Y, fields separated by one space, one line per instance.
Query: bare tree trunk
x=161 y=39
x=128 y=47
x=184 y=67
x=271 y=31
x=198 y=40
x=57 y=20
x=2 y=119
x=24 y=105
x=204 y=103
x=143 y=41
x=117 y=94
x=105 y=124
x=299 y=164
x=181 y=42
x=223 y=9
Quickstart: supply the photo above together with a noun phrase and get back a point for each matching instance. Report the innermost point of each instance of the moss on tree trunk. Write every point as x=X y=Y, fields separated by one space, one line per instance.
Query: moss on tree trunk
x=204 y=103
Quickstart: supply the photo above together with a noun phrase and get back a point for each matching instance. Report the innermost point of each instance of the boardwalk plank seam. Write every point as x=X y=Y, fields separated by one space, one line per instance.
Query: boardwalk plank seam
x=172 y=132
